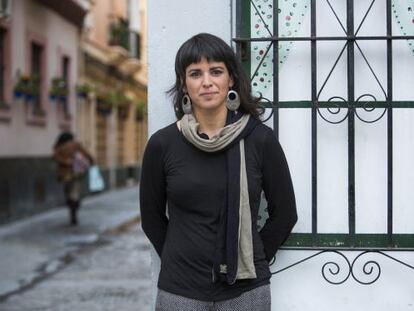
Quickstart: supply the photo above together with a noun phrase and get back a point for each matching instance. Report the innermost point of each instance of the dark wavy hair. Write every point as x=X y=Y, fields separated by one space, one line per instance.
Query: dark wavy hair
x=63 y=138
x=213 y=49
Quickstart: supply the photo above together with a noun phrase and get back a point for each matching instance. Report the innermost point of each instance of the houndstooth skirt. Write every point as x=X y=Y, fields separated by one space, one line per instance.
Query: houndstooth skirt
x=257 y=299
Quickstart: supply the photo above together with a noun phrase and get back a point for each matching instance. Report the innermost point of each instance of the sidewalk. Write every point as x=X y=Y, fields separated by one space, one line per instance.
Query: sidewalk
x=33 y=248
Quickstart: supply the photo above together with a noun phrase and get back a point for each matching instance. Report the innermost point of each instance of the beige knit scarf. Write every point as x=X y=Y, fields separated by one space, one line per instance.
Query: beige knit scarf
x=189 y=128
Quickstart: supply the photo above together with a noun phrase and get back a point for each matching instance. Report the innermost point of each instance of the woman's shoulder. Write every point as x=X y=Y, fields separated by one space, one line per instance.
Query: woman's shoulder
x=263 y=128
x=164 y=135
x=263 y=137
x=262 y=132
x=166 y=131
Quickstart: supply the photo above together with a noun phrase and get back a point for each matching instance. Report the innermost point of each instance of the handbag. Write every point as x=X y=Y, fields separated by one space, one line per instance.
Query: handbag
x=80 y=164
x=96 y=181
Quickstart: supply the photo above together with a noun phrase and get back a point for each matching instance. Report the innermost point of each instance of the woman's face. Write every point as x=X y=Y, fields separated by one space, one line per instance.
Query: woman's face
x=207 y=84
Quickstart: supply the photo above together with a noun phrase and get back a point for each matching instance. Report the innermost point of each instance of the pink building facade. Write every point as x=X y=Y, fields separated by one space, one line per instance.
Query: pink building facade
x=39 y=47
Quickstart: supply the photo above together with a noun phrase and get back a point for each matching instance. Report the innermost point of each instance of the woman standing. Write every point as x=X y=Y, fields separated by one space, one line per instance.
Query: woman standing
x=209 y=169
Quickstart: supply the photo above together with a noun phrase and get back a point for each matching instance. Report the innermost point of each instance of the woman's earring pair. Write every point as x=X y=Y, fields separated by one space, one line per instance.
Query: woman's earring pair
x=232 y=102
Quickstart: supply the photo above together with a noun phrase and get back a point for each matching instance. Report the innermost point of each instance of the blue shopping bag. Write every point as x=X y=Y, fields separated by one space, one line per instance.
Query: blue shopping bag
x=96 y=181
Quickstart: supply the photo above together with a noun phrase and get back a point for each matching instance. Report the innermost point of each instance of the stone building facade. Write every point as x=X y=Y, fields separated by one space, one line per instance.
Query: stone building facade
x=68 y=65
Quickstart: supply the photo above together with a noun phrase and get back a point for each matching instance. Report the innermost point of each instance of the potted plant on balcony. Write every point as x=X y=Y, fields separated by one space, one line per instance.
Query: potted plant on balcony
x=140 y=110
x=104 y=102
x=59 y=89
x=119 y=34
x=83 y=90
x=123 y=104
x=27 y=86
x=22 y=86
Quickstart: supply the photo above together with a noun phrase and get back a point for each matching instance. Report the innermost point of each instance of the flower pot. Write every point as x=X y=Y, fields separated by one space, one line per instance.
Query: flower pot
x=82 y=94
x=29 y=97
x=18 y=94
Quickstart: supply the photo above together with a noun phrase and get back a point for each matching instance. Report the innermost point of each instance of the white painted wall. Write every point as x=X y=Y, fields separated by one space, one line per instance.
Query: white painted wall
x=303 y=287
x=170 y=23
x=134 y=15
x=20 y=138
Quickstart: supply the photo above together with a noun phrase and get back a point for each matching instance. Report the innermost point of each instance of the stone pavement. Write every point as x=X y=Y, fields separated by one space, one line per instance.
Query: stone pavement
x=113 y=274
x=35 y=248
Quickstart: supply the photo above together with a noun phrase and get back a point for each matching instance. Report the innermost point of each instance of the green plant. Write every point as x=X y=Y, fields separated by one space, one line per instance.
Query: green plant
x=105 y=102
x=113 y=98
x=119 y=33
x=84 y=89
x=28 y=86
x=140 y=110
x=59 y=88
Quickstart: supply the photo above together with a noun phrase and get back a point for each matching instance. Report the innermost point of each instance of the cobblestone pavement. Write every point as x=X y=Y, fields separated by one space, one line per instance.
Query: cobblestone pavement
x=112 y=274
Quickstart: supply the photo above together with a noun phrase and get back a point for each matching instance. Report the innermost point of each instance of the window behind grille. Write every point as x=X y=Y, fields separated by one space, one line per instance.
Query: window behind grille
x=65 y=77
x=36 y=74
x=259 y=30
x=2 y=64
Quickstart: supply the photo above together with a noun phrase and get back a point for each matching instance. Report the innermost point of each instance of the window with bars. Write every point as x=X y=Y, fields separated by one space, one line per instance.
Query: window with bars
x=340 y=102
x=135 y=50
x=2 y=66
x=65 y=68
x=65 y=77
x=36 y=76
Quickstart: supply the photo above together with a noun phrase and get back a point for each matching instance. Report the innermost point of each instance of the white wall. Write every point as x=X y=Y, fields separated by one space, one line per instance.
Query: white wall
x=170 y=23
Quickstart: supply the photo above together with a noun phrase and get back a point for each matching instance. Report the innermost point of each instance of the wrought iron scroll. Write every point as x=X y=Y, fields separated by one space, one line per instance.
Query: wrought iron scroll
x=274 y=39
x=335 y=110
x=366 y=106
x=365 y=272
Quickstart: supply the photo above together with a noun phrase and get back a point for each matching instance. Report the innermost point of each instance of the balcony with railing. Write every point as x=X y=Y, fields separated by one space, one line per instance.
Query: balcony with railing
x=125 y=46
x=119 y=34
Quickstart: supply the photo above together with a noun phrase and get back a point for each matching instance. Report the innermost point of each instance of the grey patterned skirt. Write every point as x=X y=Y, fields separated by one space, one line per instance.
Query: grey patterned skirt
x=257 y=299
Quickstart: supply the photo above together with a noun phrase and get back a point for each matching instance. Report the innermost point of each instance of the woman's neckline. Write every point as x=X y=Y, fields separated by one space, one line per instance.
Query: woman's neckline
x=178 y=126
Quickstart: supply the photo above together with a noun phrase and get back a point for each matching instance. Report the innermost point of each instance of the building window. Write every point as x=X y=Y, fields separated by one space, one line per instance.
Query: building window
x=37 y=51
x=5 y=81
x=65 y=77
x=65 y=68
x=2 y=67
x=135 y=44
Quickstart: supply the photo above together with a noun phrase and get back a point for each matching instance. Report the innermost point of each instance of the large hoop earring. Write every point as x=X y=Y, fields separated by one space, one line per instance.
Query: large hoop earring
x=233 y=100
x=186 y=104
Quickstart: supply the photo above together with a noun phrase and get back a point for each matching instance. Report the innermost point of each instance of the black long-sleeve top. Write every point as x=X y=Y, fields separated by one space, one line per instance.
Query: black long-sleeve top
x=190 y=186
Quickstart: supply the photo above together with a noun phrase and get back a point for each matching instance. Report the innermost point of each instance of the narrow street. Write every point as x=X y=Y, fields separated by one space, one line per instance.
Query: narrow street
x=113 y=273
